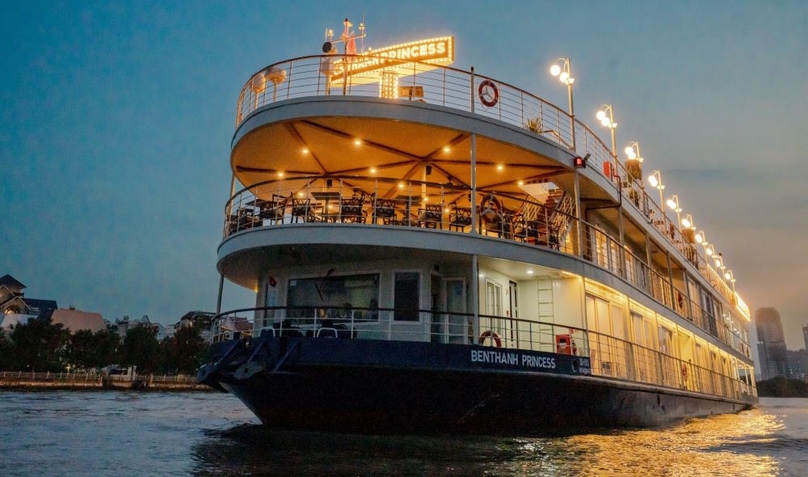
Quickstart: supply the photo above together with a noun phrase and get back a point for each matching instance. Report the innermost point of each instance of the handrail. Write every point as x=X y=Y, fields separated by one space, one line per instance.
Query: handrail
x=443 y=86
x=242 y=214
x=610 y=357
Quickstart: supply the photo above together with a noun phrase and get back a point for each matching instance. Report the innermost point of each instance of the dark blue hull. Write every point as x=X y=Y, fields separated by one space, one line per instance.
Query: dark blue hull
x=384 y=387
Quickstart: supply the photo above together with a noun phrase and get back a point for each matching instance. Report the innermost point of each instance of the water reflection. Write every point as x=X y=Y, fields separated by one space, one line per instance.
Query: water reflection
x=745 y=444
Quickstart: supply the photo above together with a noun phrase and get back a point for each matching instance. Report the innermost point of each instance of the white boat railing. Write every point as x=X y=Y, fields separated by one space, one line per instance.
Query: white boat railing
x=610 y=357
x=443 y=86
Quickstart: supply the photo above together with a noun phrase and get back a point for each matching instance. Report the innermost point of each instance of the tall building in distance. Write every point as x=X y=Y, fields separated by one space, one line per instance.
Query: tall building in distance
x=805 y=336
x=771 y=343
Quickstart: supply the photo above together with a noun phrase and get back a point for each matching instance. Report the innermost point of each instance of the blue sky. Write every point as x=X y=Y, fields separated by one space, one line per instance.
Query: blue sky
x=116 y=120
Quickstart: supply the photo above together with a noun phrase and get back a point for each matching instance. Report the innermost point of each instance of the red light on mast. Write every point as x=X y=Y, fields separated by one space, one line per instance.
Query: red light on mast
x=580 y=162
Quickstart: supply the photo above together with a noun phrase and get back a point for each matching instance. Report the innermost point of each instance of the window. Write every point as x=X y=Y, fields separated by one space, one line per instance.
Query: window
x=337 y=296
x=493 y=298
x=406 y=299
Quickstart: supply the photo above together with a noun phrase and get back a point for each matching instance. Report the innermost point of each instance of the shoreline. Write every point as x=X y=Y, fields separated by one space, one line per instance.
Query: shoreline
x=26 y=381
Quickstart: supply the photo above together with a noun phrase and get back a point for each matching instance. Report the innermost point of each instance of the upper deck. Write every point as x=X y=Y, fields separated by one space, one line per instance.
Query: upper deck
x=428 y=153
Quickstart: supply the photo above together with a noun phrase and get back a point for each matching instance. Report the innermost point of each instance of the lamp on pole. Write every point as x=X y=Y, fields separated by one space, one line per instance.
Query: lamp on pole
x=719 y=261
x=673 y=203
x=606 y=118
x=687 y=222
x=655 y=179
x=563 y=70
x=634 y=160
x=731 y=278
x=688 y=231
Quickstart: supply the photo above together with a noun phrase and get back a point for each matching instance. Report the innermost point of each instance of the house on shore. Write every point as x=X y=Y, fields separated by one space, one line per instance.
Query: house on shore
x=15 y=308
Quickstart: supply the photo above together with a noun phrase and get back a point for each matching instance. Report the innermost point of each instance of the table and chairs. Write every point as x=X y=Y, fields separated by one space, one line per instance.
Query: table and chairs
x=326 y=199
x=272 y=210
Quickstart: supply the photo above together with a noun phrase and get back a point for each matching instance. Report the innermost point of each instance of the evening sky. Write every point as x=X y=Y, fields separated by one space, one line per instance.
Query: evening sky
x=116 y=120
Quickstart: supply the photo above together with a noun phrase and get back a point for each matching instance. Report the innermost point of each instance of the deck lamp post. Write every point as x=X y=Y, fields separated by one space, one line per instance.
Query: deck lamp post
x=563 y=70
x=606 y=118
x=634 y=160
x=730 y=278
x=687 y=221
x=673 y=203
x=719 y=261
x=655 y=179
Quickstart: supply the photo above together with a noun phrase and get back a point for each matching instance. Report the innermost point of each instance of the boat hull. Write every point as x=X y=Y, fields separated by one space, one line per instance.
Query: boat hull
x=382 y=387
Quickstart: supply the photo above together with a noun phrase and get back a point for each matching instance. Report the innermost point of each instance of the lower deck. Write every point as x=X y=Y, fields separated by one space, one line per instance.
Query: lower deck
x=371 y=386
x=391 y=293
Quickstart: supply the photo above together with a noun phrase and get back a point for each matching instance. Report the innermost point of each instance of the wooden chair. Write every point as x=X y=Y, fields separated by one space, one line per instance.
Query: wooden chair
x=430 y=216
x=384 y=209
x=243 y=219
x=273 y=210
x=459 y=218
x=301 y=210
x=351 y=209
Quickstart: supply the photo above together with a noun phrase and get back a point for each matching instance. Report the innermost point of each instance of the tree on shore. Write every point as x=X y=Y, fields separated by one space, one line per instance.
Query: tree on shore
x=39 y=345
x=42 y=346
x=88 y=350
x=782 y=387
x=6 y=353
x=184 y=352
x=141 y=348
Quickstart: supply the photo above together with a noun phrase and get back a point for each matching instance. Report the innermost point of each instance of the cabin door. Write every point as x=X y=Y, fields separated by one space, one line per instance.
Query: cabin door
x=493 y=324
x=459 y=327
x=437 y=305
x=513 y=311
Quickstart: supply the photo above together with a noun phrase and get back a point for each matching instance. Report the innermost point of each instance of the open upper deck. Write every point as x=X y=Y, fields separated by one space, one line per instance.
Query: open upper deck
x=302 y=136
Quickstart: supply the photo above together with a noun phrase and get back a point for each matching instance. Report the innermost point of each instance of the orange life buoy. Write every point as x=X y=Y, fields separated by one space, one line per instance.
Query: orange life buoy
x=493 y=336
x=488 y=93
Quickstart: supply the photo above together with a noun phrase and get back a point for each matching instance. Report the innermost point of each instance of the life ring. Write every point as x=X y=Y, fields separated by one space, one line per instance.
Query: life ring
x=493 y=336
x=488 y=93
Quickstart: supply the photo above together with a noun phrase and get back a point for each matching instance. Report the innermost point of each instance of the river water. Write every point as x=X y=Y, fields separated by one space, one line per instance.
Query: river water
x=61 y=433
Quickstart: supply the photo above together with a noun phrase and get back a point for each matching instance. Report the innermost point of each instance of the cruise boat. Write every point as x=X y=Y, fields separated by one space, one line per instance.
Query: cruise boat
x=435 y=250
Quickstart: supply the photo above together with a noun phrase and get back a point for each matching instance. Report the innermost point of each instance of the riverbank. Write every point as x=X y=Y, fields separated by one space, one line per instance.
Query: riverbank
x=77 y=381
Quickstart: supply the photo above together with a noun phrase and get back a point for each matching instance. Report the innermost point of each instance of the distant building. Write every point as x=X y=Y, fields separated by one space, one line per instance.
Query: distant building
x=125 y=324
x=15 y=308
x=771 y=344
x=798 y=364
x=805 y=336
x=76 y=320
x=201 y=319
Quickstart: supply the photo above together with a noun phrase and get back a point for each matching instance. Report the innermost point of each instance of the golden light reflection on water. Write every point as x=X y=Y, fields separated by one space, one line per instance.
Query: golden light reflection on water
x=768 y=441
x=730 y=445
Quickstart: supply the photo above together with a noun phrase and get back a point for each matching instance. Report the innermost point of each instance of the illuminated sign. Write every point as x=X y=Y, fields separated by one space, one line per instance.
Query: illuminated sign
x=397 y=60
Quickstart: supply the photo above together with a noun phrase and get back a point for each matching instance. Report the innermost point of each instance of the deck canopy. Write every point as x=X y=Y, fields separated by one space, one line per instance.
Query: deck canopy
x=382 y=156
